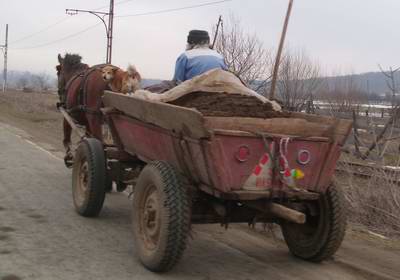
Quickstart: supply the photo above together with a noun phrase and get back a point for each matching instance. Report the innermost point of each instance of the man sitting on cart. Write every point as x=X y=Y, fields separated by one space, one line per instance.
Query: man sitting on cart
x=196 y=60
x=198 y=57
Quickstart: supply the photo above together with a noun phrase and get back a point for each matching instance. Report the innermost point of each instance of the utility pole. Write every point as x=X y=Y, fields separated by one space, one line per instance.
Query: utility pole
x=110 y=31
x=279 y=54
x=4 y=48
x=216 y=32
x=108 y=27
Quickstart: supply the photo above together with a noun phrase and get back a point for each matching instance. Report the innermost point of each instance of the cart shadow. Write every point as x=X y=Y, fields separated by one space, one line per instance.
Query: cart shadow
x=215 y=253
x=239 y=255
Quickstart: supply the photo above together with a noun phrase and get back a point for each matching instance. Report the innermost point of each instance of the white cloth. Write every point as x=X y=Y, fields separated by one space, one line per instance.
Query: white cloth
x=213 y=81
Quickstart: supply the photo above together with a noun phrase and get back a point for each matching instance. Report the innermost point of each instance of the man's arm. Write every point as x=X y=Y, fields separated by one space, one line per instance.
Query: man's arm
x=180 y=69
x=224 y=67
x=223 y=64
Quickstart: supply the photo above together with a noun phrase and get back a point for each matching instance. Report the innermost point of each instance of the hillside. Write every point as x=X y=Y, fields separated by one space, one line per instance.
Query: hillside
x=374 y=82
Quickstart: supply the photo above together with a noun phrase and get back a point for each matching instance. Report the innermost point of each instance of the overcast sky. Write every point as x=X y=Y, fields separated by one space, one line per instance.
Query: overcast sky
x=343 y=35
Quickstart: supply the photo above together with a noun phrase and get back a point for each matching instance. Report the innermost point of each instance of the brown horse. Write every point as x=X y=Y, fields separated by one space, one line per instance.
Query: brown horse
x=80 y=89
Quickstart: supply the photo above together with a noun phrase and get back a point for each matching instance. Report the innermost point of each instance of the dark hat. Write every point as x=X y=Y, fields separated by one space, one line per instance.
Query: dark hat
x=198 y=36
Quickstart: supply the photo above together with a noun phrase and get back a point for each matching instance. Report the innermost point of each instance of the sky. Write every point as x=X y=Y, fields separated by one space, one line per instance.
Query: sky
x=342 y=35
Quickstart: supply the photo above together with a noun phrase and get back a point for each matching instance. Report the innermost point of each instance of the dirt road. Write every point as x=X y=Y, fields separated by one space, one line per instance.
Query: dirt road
x=41 y=237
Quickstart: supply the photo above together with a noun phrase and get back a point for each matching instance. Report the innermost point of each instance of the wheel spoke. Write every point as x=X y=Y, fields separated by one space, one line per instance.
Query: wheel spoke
x=149 y=221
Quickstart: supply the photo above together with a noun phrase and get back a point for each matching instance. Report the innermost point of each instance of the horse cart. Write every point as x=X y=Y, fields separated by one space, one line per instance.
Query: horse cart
x=188 y=168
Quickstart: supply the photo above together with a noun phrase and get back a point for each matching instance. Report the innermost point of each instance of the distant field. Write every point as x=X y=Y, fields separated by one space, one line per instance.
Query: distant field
x=35 y=113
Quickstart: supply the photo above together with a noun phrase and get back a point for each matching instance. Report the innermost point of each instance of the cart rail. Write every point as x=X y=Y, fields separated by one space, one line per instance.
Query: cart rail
x=186 y=121
x=209 y=150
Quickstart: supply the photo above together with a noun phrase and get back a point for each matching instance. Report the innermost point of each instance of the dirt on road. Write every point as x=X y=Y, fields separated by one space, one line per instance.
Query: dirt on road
x=41 y=237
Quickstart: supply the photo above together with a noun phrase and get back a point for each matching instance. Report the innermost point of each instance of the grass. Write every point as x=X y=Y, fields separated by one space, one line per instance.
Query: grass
x=373 y=202
x=30 y=102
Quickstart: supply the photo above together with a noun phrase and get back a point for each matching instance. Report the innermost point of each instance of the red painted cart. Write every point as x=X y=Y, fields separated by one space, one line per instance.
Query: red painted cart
x=197 y=169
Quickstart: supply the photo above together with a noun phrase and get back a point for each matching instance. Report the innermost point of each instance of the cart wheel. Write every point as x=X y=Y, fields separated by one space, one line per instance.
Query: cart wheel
x=161 y=217
x=89 y=178
x=321 y=235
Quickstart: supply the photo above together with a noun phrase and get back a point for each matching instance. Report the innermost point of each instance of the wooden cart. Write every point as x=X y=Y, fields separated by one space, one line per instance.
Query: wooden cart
x=197 y=169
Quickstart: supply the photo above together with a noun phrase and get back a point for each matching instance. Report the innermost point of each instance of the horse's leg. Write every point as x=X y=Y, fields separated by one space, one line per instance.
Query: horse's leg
x=67 y=144
x=67 y=135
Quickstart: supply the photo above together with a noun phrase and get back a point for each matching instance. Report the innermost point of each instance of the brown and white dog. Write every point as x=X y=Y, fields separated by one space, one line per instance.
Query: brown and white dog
x=121 y=81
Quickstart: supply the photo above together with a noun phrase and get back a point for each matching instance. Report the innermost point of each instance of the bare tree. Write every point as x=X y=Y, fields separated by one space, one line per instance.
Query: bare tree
x=41 y=81
x=343 y=95
x=298 y=80
x=244 y=54
x=391 y=82
x=23 y=82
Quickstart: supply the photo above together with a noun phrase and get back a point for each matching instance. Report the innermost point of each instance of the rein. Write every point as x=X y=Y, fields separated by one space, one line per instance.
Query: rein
x=82 y=96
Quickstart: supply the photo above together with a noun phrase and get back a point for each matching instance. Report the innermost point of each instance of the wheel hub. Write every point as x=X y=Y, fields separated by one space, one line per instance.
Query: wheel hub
x=150 y=221
x=82 y=186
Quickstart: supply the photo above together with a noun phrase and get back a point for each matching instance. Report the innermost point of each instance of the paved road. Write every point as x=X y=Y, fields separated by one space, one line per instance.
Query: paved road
x=41 y=236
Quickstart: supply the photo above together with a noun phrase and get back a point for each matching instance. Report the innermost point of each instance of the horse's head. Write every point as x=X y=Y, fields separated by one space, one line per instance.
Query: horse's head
x=68 y=66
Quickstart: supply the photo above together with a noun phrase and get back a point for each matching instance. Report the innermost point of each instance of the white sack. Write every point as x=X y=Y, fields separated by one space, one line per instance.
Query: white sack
x=213 y=81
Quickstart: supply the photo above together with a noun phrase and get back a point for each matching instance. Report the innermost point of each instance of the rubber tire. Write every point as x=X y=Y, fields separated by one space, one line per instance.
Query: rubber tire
x=329 y=233
x=175 y=213
x=90 y=150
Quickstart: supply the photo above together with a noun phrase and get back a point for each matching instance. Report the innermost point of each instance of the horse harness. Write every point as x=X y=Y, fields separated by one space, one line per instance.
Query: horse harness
x=82 y=96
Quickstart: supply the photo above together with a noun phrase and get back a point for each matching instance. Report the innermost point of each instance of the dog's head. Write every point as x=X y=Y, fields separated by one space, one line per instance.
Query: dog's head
x=132 y=81
x=108 y=72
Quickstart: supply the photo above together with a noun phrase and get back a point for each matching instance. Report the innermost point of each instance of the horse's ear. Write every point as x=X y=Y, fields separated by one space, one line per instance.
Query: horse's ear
x=60 y=59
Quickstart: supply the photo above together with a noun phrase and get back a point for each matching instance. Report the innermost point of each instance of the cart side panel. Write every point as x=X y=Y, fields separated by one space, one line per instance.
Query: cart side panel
x=198 y=158
x=145 y=141
x=328 y=170
x=186 y=121
x=318 y=152
x=229 y=173
x=149 y=142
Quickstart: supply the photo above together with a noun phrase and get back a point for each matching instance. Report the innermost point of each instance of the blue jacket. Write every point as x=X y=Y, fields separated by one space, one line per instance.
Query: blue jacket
x=196 y=62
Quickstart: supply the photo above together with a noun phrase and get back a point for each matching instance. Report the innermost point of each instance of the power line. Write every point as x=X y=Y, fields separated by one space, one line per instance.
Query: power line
x=118 y=3
x=40 y=31
x=123 y=2
x=109 y=27
x=99 y=8
x=175 y=9
x=122 y=16
x=61 y=39
x=50 y=26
